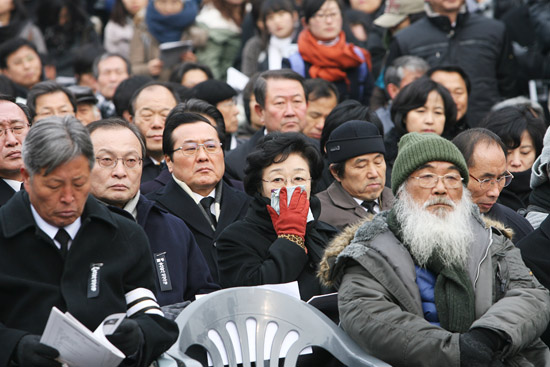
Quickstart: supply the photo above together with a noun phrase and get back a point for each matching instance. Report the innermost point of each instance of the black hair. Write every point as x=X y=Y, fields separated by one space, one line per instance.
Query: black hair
x=415 y=95
x=84 y=58
x=319 y=88
x=260 y=87
x=346 y=111
x=467 y=141
x=10 y=46
x=275 y=148
x=453 y=69
x=131 y=106
x=179 y=72
x=119 y=13
x=47 y=87
x=173 y=121
x=247 y=93
x=47 y=14
x=117 y=122
x=310 y=7
x=203 y=108
x=274 y=6
x=125 y=91
x=24 y=108
x=509 y=123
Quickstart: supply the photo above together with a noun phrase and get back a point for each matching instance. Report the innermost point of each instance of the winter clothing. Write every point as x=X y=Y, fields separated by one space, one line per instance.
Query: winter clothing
x=117 y=37
x=339 y=208
x=380 y=304
x=535 y=252
x=233 y=206
x=477 y=44
x=516 y=195
x=352 y=139
x=6 y=192
x=34 y=276
x=173 y=243
x=213 y=91
x=250 y=253
x=258 y=57
x=416 y=149
x=169 y=28
x=509 y=218
x=151 y=169
x=235 y=160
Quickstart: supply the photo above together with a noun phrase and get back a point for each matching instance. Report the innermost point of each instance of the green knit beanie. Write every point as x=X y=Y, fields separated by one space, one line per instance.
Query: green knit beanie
x=417 y=149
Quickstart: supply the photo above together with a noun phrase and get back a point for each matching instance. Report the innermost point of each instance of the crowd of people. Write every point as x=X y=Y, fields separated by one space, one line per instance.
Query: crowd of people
x=393 y=152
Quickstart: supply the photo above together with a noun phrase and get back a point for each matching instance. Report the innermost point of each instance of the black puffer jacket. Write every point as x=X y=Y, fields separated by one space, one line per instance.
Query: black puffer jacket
x=477 y=44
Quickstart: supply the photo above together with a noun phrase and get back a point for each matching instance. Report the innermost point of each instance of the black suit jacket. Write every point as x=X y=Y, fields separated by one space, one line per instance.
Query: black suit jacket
x=6 y=192
x=235 y=160
x=234 y=205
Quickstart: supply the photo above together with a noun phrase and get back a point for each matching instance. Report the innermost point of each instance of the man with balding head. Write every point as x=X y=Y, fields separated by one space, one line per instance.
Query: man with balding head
x=149 y=106
x=281 y=103
x=429 y=283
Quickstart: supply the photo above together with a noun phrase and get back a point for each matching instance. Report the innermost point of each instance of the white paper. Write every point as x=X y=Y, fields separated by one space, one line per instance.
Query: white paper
x=77 y=345
x=236 y=79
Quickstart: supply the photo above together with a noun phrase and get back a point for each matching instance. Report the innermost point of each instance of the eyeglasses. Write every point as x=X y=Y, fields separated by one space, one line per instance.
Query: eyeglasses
x=111 y=162
x=211 y=147
x=429 y=181
x=501 y=181
x=280 y=182
x=16 y=130
x=326 y=16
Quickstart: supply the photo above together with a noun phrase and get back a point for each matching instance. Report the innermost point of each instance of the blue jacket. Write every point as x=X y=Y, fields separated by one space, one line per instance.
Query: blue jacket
x=187 y=271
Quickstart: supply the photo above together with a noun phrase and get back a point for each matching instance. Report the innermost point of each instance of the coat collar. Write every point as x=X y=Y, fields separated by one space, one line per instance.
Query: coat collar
x=16 y=215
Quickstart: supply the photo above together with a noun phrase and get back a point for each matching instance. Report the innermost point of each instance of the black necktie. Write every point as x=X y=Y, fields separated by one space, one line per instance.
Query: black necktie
x=369 y=205
x=63 y=238
x=206 y=204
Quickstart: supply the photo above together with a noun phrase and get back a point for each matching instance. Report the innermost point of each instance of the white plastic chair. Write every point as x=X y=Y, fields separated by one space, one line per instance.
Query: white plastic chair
x=227 y=312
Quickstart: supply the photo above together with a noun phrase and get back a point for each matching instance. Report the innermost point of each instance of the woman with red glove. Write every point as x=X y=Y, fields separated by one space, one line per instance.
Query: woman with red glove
x=278 y=246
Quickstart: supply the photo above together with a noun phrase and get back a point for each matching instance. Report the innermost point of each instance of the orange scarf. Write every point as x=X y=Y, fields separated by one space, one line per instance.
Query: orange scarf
x=330 y=62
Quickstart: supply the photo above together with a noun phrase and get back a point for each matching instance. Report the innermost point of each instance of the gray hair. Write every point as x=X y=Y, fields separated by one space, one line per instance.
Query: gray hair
x=105 y=56
x=396 y=71
x=55 y=141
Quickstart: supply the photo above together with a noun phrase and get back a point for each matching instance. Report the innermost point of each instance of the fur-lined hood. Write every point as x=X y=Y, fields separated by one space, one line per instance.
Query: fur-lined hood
x=354 y=237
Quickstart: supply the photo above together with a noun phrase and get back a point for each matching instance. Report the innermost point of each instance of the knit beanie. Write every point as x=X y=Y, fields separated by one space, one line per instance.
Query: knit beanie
x=538 y=172
x=417 y=149
x=352 y=139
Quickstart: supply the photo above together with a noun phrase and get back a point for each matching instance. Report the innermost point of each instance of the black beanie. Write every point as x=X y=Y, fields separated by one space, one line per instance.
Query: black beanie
x=213 y=91
x=352 y=139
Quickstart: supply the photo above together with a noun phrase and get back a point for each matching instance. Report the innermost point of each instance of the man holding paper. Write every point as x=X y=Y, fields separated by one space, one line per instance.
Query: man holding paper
x=59 y=247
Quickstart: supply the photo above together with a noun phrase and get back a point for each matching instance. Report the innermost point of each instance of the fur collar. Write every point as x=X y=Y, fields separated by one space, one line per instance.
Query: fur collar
x=353 y=241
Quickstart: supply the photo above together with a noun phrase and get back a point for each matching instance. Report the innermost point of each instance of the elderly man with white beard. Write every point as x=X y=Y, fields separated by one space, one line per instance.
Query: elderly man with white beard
x=429 y=283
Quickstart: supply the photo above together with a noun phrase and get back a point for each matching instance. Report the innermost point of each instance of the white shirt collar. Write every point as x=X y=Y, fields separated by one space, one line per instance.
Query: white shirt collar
x=14 y=184
x=51 y=231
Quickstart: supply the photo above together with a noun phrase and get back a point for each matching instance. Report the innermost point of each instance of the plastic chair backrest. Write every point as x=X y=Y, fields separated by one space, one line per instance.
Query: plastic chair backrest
x=299 y=323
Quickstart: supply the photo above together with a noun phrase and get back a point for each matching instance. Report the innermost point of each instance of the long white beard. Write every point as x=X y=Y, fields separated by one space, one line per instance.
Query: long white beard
x=446 y=233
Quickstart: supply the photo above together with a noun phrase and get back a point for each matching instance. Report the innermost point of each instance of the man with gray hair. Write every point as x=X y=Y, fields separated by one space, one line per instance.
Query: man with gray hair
x=61 y=248
x=429 y=283
x=403 y=71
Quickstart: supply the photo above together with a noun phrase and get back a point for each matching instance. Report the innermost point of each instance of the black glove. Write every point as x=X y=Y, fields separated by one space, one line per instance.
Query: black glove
x=30 y=352
x=128 y=337
x=478 y=346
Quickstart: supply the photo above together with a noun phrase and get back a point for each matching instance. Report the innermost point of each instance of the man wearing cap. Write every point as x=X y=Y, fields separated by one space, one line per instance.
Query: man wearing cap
x=449 y=35
x=222 y=96
x=86 y=109
x=355 y=151
x=428 y=283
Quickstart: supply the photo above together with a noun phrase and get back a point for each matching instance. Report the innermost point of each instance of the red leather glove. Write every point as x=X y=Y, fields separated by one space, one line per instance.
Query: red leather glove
x=293 y=217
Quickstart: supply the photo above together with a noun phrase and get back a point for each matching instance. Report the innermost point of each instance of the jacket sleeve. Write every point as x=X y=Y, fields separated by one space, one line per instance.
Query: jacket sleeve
x=159 y=333
x=245 y=257
x=381 y=327
x=523 y=312
x=507 y=69
x=9 y=339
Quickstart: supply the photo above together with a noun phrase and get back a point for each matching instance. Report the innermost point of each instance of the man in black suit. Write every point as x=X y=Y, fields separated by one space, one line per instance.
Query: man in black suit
x=196 y=191
x=14 y=125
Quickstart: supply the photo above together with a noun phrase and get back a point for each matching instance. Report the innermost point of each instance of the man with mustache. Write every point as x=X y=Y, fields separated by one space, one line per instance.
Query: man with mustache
x=355 y=151
x=429 y=283
x=14 y=125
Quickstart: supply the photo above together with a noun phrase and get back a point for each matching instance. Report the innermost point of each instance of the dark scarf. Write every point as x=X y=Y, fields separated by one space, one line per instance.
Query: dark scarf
x=540 y=197
x=169 y=28
x=12 y=29
x=454 y=294
x=520 y=187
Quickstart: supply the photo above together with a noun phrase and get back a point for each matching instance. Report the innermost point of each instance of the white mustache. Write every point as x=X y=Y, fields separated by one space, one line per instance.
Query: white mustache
x=439 y=200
